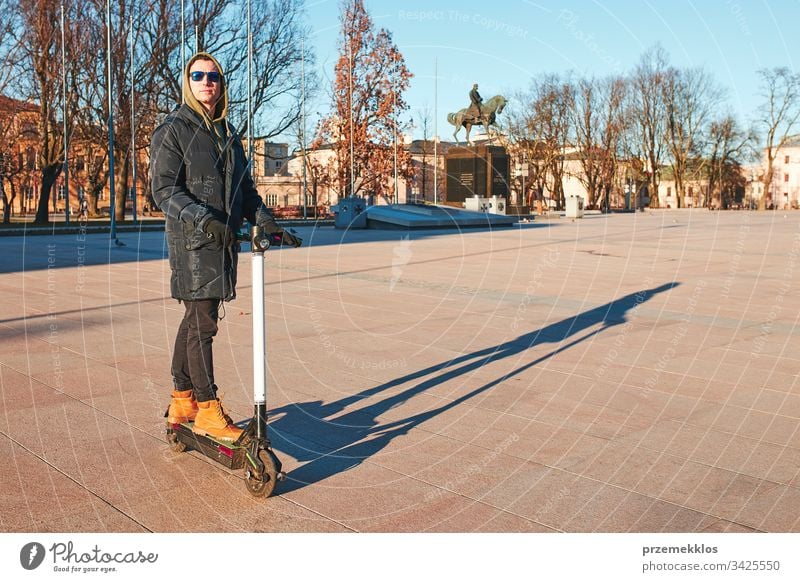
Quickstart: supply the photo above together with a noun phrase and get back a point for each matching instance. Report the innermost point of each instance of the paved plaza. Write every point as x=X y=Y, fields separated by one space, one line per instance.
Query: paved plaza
x=620 y=373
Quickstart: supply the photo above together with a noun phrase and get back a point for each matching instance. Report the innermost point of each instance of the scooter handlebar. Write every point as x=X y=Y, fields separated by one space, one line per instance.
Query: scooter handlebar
x=262 y=241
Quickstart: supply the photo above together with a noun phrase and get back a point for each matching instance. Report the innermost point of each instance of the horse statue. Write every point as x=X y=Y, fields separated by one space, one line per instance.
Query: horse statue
x=489 y=110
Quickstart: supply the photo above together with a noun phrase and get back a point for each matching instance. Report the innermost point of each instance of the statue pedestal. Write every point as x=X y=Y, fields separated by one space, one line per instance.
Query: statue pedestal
x=480 y=171
x=493 y=205
x=351 y=213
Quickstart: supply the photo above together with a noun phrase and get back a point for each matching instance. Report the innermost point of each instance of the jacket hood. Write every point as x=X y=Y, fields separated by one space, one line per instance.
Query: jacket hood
x=221 y=110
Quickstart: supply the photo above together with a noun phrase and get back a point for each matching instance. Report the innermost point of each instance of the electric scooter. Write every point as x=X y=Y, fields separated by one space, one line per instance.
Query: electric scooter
x=252 y=451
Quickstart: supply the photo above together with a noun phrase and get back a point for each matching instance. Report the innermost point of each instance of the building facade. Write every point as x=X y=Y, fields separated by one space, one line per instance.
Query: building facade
x=784 y=191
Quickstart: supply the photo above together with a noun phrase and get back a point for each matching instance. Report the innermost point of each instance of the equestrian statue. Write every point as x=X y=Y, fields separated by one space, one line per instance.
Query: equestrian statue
x=478 y=113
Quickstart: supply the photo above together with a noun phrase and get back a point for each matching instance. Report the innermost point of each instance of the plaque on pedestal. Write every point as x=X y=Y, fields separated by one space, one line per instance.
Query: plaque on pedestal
x=476 y=171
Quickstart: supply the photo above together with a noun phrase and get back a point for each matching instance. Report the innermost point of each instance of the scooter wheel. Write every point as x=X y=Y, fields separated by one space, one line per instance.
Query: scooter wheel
x=175 y=445
x=263 y=487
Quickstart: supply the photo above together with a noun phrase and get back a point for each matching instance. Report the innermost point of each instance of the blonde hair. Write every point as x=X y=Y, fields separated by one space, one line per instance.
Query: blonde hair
x=221 y=109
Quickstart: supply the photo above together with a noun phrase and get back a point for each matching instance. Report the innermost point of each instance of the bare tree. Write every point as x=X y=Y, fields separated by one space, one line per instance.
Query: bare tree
x=555 y=101
x=691 y=95
x=41 y=80
x=727 y=145
x=15 y=131
x=89 y=136
x=526 y=140
x=12 y=127
x=158 y=56
x=219 y=27
x=598 y=123
x=647 y=111
x=538 y=125
x=127 y=20
x=780 y=88
x=424 y=123
x=153 y=26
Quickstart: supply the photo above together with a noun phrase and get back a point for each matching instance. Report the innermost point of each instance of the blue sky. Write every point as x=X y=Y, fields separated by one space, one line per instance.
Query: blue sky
x=501 y=45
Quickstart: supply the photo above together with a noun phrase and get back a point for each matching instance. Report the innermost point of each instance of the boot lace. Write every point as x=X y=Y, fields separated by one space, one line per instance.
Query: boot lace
x=224 y=415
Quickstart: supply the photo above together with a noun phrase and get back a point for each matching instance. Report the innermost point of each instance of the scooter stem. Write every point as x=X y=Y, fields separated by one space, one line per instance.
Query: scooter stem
x=259 y=243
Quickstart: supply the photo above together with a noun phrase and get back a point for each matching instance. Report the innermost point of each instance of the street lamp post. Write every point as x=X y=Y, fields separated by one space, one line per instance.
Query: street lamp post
x=110 y=87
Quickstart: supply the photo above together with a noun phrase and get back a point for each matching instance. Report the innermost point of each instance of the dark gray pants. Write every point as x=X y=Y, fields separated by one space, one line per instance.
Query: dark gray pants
x=192 y=360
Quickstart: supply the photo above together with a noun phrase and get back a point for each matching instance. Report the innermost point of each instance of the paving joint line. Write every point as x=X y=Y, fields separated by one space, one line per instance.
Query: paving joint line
x=78 y=483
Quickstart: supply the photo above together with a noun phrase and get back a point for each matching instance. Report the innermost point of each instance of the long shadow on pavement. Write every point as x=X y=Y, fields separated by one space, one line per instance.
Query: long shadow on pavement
x=332 y=442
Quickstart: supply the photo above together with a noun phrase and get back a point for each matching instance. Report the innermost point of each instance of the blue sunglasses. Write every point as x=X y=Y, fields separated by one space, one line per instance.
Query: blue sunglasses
x=198 y=76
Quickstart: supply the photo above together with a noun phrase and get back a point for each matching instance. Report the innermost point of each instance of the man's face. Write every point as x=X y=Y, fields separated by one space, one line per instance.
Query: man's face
x=205 y=91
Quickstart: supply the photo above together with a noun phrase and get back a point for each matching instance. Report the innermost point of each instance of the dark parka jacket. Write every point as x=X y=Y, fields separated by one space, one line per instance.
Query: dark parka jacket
x=193 y=181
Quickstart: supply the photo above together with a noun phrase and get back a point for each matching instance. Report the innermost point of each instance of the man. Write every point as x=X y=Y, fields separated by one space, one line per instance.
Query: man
x=475 y=100
x=200 y=181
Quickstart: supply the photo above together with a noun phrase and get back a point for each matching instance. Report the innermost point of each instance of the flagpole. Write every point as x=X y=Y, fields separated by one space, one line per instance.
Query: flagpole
x=133 y=126
x=303 y=113
x=352 y=163
x=64 y=115
x=394 y=124
x=183 y=50
x=183 y=38
x=435 y=131
x=249 y=92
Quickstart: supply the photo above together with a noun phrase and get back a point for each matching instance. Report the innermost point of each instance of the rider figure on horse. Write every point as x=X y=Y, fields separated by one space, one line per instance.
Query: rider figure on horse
x=475 y=102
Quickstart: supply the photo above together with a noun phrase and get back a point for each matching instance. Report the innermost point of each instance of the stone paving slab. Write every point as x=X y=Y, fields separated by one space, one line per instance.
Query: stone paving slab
x=618 y=373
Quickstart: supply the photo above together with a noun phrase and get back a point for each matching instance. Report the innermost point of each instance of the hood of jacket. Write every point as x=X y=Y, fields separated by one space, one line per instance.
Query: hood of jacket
x=221 y=110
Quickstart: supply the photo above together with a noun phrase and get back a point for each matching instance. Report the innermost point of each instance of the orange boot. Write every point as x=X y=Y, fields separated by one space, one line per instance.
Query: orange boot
x=211 y=421
x=183 y=407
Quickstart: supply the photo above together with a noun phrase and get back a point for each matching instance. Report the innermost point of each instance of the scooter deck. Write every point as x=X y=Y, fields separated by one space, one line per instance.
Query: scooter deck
x=230 y=455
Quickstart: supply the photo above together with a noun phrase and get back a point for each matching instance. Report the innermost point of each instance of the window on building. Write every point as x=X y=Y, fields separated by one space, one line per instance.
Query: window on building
x=785 y=159
x=786 y=177
x=669 y=190
x=272 y=199
x=80 y=164
x=31 y=158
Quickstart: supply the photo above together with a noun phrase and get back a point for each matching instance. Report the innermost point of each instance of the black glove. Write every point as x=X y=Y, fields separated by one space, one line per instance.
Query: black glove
x=222 y=234
x=288 y=239
x=277 y=235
